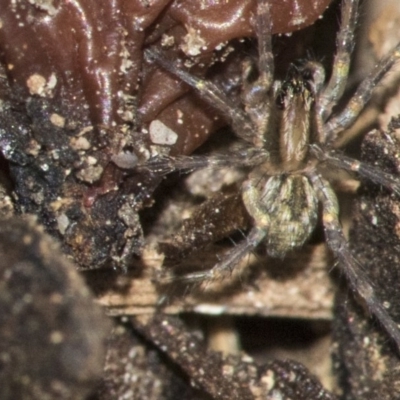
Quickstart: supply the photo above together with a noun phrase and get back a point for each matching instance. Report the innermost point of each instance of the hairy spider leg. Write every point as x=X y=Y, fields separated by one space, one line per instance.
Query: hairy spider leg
x=347 y=117
x=230 y=260
x=264 y=36
x=358 y=280
x=246 y=157
x=210 y=93
x=341 y=63
x=257 y=94
x=365 y=170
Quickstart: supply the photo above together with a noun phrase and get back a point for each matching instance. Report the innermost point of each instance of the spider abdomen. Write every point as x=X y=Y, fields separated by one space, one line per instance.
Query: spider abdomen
x=285 y=206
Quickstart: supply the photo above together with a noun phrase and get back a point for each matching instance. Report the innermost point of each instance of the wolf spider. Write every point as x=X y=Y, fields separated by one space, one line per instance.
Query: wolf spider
x=289 y=132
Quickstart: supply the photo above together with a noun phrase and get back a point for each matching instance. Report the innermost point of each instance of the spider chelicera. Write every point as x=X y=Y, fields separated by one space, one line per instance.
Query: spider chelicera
x=290 y=132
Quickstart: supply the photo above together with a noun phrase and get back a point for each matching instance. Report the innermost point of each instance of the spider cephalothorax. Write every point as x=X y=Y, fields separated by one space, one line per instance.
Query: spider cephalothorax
x=289 y=132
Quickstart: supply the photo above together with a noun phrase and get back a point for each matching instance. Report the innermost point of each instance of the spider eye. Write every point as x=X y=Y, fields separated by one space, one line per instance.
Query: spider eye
x=293 y=86
x=280 y=100
x=313 y=75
